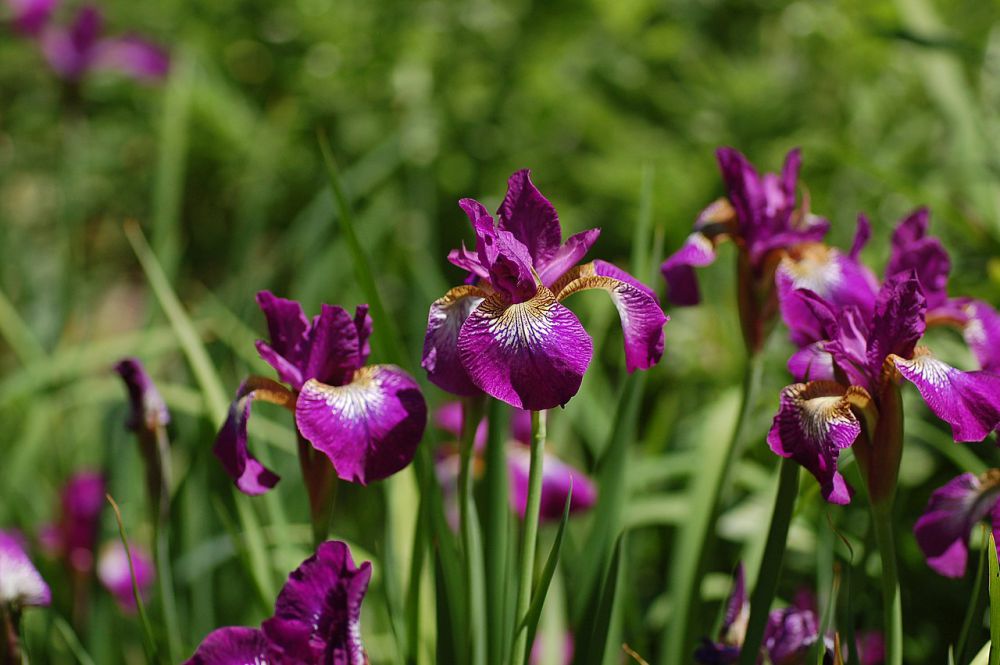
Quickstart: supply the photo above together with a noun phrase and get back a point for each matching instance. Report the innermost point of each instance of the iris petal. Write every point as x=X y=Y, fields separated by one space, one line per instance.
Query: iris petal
x=557 y=479
x=641 y=317
x=913 y=249
x=444 y=321
x=531 y=354
x=942 y=531
x=682 y=282
x=133 y=56
x=567 y=256
x=813 y=424
x=968 y=401
x=370 y=427
x=982 y=334
x=527 y=214
x=250 y=476
x=20 y=582
x=235 y=645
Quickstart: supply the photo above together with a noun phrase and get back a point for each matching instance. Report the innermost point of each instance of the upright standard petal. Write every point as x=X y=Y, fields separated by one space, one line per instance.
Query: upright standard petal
x=567 y=256
x=913 y=249
x=334 y=347
x=20 y=582
x=899 y=320
x=249 y=475
x=530 y=217
x=678 y=270
x=236 y=646
x=641 y=317
x=982 y=334
x=115 y=574
x=317 y=617
x=147 y=406
x=942 y=531
x=531 y=354
x=557 y=480
x=288 y=328
x=444 y=322
x=370 y=427
x=811 y=363
x=968 y=401
x=132 y=56
x=813 y=424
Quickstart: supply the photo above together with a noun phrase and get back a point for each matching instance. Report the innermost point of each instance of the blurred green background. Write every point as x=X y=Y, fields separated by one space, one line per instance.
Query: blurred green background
x=609 y=102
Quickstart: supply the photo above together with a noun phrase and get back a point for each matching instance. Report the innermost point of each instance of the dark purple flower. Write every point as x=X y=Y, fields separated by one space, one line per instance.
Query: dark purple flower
x=80 y=48
x=367 y=419
x=74 y=535
x=952 y=512
x=860 y=358
x=31 y=16
x=317 y=618
x=20 y=583
x=760 y=214
x=981 y=329
x=506 y=332
x=733 y=629
x=789 y=635
x=114 y=573
x=871 y=647
x=147 y=408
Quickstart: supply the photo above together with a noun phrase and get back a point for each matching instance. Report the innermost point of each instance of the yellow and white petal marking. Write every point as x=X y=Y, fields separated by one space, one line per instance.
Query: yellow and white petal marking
x=815 y=268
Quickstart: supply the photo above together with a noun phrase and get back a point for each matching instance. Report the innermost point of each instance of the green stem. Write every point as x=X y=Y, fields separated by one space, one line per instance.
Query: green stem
x=469 y=530
x=160 y=506
x=497 y=540
x=770 y=564
x=892 y=607
x=685 y=574
x=520 y=652
x=321 y=487
x=10 y=640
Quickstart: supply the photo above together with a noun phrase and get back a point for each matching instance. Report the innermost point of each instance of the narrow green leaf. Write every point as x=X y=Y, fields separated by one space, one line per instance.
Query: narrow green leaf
x=18 y=334
x=994 y=602
x=69 y=636
x=594 y=634
x=977 y=605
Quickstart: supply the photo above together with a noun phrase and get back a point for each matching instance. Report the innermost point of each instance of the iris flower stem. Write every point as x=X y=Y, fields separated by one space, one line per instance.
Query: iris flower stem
x=160 y=506
x=685 y=573
x=519 y=655
x=10 y=639
x=321 y=486
x=770 y=564
x=472 y=554
x=892 y=607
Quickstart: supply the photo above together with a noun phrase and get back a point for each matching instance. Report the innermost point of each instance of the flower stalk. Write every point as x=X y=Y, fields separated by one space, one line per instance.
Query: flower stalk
x=472 y=411
x=892 y=609
x=321 y=486
x=520 y=652
x=10 y=640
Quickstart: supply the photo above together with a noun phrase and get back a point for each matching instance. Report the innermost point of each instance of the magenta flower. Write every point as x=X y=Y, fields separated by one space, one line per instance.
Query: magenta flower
x=73 y=537
x=506 y=332
x=317 y=618
x=21 y=584
x=114 y=573
x=761 y=217
x=557 y=476
x=147 y=410
x=31 y=16
x=367 y=419
x=952 y=512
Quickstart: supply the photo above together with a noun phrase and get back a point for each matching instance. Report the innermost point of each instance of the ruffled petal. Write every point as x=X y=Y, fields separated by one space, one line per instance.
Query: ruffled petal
x=557 y=479
x=249 y=475
x=444 y=321
x=913 y=249
x=942 y=531
x=530 y=217
x=147 y=408
x=789 y=634
x=531 y=355
x=236 y=645
x=678 y=270
x=287 y=326
x=370 y=427
x=20 y=582
x=134 y=57
x=567 y=256
x=812 y=363
x=115 y=574
x=813 y=424
x=334 y=348
x=505 y=257
x=968 y=401
x=899 y=320
x=317 y=616
x=982 y=334
x=363 y=323
x=641 y=317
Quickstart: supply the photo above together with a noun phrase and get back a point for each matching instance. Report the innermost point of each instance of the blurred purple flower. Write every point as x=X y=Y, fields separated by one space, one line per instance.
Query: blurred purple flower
x=20 y=582
x=952 y=512
x=73 y=536
x=147 y=408
x=557 y=476
x=75 y=50
x=114 y=573
x=539 y=646
x=506 y=332
x=316 y=618
x=31 y=16
x=367 y=419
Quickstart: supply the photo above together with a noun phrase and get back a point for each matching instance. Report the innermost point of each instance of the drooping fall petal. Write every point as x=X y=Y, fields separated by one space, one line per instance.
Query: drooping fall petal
x=444 y=322
x=20 y=582
x=235 y=645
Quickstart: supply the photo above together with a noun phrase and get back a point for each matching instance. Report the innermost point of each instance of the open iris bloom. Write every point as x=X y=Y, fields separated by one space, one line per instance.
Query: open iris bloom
x=557 y=476
x=854 y=355
x=317 y=618
x=73 y=537
x=506 y=332
x=951 y=514
x=760 y=215
x=21 y=586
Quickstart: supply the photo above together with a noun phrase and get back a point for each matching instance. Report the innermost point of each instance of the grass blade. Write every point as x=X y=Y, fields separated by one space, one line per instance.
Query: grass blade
x=994 y=603
x=977 y=604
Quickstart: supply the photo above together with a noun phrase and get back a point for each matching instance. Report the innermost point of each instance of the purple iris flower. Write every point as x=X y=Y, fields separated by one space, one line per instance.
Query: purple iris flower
x=75 y=50
x=557 y=476
x=29 y=17
x=20 y=582
x=506 y=332
x=317 y=618
x=367 y=419
x=147 y=410
x=116 y=576
x=788 y=636
x=952 y=512
x=73 y=537
x=760 y=215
